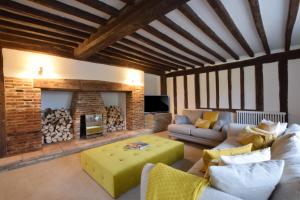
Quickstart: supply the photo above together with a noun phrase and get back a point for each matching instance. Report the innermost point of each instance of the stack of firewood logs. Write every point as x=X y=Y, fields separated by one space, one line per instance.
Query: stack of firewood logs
x=56 y=126
x=115 y=120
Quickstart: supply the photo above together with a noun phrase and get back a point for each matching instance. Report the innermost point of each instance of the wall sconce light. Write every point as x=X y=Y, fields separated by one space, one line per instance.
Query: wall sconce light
x=40 y=72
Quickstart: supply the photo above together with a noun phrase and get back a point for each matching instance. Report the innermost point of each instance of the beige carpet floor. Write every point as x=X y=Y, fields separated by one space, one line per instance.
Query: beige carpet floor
x=63 y=179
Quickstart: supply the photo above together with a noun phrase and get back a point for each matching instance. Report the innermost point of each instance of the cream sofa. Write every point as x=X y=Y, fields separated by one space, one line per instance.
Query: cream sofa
x=288 y=187
x=189 y=132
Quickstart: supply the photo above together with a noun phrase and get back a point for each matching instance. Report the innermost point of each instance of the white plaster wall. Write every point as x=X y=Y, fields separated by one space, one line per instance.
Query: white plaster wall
x=170 y=93
x=249 y=88
x=293 y=91
x=223 y=89
x=191 y=91
x=151 y=84
x=56 y=99
x=236 y=88
x=24 y=64
x=271 y=87
x=212 y=89
x=180 y=94
x=203 y=90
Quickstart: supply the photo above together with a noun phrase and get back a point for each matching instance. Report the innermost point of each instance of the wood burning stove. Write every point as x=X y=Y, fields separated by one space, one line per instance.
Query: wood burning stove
x=91 y=125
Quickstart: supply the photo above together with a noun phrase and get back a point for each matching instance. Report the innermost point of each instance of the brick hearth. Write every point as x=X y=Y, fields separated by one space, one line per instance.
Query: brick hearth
x=23 y=107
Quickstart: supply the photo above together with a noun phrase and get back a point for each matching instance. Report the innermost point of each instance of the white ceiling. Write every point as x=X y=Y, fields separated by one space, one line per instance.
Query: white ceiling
x=274 y=16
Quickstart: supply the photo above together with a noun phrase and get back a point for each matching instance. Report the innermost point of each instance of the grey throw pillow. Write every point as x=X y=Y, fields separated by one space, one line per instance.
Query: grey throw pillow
x=181 y=119
x=219 y=125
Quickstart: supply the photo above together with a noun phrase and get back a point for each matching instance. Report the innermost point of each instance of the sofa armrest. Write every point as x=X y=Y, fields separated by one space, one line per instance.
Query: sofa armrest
x=144 y=180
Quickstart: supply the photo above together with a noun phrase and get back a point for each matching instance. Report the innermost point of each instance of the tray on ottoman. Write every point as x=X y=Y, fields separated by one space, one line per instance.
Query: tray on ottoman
x=118 y=170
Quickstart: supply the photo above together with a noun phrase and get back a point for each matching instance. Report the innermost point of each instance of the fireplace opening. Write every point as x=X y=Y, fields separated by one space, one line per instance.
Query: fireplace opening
x=56 y=120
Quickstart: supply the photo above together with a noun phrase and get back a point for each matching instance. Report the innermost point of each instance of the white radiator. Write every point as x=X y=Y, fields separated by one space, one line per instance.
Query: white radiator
x=254 y=117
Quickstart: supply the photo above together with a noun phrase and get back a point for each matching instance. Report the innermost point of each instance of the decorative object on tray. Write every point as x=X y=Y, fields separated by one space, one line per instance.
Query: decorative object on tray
x=56 y=126
x=136 y=146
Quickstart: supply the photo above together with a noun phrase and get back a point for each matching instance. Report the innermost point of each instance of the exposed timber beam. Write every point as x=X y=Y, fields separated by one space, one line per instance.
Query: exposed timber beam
x=36 y=37
x=36 y=23
x=254 y=6
x=197 y=21
x=129 y=2
x=293 y=11
x=19 y=8
x=224 y=16
x=57 y=5
x=152 y=52
x=275 y=57
x=164 y=49
x=130 y=20
x=112 y=54
x=173 y=42
x=29 y=29
x=99 y=5
x=172 y=25
x=147 y=56
x=138 y=58
x=33 y=46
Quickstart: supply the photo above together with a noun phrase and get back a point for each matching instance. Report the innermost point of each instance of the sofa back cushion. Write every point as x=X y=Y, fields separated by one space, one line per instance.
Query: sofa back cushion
x=226 y=116
x=193 y=115
x=287 y=148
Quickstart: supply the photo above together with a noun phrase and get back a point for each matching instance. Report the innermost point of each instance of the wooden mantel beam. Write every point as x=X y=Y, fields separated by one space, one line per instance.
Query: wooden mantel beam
x=130 y=20
x=293 y=11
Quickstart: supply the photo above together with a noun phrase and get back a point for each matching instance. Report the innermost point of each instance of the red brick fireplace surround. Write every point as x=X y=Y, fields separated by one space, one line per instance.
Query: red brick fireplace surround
x=20 y=131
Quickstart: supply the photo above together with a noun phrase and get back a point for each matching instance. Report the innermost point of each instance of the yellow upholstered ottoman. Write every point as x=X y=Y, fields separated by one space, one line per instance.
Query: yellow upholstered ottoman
x=117 y=170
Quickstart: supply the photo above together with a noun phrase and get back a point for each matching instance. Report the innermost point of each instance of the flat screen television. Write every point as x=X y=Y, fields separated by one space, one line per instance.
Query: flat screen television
x=156 y=103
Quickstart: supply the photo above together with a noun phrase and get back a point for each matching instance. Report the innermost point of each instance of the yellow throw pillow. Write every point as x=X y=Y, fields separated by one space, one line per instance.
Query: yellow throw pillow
x=200 y=123
x=259 y=138
x=212 y=117
x=215 y=154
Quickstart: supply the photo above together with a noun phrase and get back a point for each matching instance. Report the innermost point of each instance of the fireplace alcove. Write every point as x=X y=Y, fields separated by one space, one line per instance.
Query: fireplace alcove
x=28 y=137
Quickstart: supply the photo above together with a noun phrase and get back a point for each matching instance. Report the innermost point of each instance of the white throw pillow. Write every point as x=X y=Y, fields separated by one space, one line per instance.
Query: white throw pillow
x=248 y=181
x=280 y=127
x=252 y=157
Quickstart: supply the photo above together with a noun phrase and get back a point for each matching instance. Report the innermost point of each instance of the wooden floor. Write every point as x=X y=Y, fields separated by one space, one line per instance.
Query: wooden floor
x=63 y=178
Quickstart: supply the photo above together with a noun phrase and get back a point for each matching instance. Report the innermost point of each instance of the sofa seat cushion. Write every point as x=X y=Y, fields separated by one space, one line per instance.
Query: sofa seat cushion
x=181 y=128
x=208 y=134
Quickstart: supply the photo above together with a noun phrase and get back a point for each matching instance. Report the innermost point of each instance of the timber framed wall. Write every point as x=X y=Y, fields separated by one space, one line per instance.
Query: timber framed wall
x=266 y=83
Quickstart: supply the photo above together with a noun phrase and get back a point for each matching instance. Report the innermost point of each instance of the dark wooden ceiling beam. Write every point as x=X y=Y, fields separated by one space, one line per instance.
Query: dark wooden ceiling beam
x=150 y=51
x=172 y=42
x=224 y=16
x=19 y=8
x=129 y=2
x=28 y=29
x=24 y=40
x=176 y=28
x=197 y=21
x=59 y=6
x=37 y=37
x=275 y=57
x=27 y=45
x=138 y=58
x=165 y=49
x=130 y=20
x=255 y=10
x=99 y=5
x=13 y=17
x=147 y=65
x=147 y=56
x=293 y=11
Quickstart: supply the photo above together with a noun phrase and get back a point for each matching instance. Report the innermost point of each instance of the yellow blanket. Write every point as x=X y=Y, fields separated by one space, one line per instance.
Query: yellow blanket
x=167 y=183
